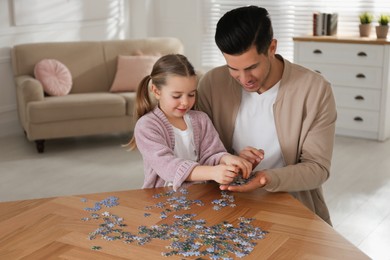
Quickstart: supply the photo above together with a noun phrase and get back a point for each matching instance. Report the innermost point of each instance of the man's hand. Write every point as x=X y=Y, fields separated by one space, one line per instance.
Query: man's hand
x=259 y=181
x=253 y=155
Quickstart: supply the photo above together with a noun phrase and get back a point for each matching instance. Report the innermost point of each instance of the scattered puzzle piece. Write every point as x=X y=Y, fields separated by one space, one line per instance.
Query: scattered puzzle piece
x=190 y=237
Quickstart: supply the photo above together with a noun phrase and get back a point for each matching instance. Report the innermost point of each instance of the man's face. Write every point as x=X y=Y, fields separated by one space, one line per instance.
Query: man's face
x=251 y=69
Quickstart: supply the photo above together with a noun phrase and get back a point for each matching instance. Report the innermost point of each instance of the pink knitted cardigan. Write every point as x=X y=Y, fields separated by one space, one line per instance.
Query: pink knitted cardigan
x=155 y=140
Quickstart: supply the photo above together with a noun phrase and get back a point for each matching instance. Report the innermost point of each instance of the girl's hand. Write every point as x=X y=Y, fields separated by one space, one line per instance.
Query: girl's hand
x=253 y=155
x=224 y=174
x=244 y=165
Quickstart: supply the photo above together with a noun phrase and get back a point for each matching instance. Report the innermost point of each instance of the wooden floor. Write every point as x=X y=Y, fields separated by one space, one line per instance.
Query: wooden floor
x=357 y=192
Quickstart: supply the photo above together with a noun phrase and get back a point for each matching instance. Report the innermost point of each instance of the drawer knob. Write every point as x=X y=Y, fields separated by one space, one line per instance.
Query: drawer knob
x=358 y=119
x=317 y=51
x=362 y=54
x=359 y=97
x=360 y=76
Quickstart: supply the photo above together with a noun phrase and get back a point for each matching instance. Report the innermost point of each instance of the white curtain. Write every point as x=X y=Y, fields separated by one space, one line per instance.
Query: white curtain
x=289 y=19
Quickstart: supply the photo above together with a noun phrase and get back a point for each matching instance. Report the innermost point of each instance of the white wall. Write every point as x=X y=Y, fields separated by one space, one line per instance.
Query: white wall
x=74 y=21
x=181 y=19
x=174 y=18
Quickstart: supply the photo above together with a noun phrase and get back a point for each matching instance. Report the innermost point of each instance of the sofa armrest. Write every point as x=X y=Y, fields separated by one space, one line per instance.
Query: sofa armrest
x=28 y=89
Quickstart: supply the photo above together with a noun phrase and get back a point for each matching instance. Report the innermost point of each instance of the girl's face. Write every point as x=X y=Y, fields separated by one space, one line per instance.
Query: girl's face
x=177 y=96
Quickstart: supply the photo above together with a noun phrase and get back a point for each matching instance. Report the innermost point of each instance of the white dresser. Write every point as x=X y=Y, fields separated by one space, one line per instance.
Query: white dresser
x=358 y=69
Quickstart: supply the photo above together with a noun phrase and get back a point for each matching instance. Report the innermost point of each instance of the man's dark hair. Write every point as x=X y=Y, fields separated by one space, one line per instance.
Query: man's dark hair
x=240 y=28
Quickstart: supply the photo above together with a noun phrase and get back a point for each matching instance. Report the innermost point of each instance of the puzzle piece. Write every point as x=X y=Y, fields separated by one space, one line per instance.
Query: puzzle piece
x=188 y=234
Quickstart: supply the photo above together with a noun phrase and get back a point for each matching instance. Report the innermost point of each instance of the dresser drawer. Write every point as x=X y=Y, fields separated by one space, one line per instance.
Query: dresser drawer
x=358 y=98
x=359 y=71
x=359 y=120
x=347 y=75
x=341 y=53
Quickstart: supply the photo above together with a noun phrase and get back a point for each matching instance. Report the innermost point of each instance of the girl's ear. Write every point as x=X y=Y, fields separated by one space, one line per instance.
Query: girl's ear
x=156 y=92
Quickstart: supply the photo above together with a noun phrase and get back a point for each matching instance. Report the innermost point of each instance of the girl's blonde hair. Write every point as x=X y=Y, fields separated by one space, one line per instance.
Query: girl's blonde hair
x=168 y=65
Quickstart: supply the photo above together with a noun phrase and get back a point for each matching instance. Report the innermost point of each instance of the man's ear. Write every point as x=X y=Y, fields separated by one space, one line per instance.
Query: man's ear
x=156 y=91
x=272 y=47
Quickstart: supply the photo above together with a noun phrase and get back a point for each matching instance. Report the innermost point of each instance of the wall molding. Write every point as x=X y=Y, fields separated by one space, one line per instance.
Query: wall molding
x=56 y=27
x=5 y=60
x=27 y=12
x=10 y=128
x=7 y=109
x=9 y=121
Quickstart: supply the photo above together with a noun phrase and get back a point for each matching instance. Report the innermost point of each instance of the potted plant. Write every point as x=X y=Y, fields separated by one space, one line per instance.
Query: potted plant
x=383 y=26
x=365 y=24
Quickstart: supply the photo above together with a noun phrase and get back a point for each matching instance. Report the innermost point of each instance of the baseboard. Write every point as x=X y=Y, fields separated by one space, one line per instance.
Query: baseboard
x=8 y=128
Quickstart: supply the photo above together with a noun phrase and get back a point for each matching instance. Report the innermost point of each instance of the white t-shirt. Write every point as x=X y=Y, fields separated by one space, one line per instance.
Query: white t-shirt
x=255 y=126
x=184 y=141
x=184 y=144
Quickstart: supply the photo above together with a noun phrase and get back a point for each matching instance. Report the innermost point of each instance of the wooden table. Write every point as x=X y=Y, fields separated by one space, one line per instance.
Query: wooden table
x=52 y=228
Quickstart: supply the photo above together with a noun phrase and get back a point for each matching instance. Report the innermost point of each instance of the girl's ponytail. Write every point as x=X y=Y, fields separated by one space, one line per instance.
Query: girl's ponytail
x=143 y=104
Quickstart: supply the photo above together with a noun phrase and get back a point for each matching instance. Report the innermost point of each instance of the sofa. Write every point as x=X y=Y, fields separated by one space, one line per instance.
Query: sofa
x=90 y=107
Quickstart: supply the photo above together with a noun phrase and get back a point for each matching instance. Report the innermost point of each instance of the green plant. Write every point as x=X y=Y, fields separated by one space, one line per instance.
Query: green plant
x=383 y=19
x=366 y=18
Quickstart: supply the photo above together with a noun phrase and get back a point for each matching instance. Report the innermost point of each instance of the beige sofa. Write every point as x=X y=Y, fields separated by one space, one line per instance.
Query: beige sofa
x=90 y=108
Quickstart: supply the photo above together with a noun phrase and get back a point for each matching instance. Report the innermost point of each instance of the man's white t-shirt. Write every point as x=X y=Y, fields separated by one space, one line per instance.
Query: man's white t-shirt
x=255 y=126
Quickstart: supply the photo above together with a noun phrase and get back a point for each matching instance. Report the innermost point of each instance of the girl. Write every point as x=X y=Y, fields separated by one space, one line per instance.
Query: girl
x=179 y=144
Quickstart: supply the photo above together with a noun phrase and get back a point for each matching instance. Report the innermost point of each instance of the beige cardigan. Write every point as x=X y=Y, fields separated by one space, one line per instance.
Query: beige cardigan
x=305 y=116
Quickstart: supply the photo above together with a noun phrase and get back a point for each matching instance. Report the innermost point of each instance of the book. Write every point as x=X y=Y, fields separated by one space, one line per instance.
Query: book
x=332 y=28
x=324 y=23
x=315 y=18
x=319 y=24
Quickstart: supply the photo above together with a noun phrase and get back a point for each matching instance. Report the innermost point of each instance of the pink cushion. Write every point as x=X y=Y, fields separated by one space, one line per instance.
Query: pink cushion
x=130 y=71
x=54 y=76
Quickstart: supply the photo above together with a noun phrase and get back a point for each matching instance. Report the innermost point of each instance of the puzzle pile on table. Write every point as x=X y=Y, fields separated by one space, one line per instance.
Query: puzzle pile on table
x=189 y=236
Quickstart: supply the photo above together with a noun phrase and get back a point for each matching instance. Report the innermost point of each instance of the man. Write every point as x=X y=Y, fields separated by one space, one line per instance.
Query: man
x=261 y=103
